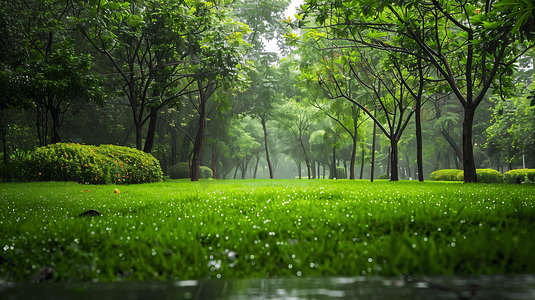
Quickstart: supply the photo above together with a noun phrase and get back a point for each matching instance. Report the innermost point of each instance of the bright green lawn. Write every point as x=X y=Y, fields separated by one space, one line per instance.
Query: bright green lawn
x=185 y=230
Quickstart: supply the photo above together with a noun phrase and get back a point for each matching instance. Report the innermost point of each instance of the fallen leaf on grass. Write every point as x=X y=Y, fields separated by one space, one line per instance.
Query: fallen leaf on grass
x=117 y=191
x=90 y=213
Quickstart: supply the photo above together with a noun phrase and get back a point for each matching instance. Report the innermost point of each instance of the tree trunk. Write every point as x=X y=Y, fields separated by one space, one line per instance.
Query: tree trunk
x=394 y=159
x=373 y=152
x=256 y=166
x=469 y=165
x=306 y=159
x=55 y=112
x=419 y=143
x=333 y=172
x=389 y=160
x=299 y=169
x=236 y=170
x=408 y=165
x=362 y=163
x=214 y=161
x=353 y=156
x=151 y=132
x=263 y=122
x=199 y=138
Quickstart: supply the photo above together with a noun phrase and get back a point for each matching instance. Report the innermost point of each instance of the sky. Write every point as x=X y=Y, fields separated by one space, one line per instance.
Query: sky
x=289 y=12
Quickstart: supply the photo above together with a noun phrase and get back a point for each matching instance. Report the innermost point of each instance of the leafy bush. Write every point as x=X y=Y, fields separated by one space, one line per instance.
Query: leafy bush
x=92 y=164
x=485 y=176
x=525 y=175
x=384 y=176
x=446 y=174
x=206 y=172
x=13 y=170
x=179 y=171
x=66 y=162
x=128 y=165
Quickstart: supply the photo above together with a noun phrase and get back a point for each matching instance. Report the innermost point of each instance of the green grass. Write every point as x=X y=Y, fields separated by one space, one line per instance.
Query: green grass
x=184 y=230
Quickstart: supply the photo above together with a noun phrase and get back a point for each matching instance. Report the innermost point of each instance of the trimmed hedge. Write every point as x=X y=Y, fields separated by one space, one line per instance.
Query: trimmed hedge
x=181 y=171
x=485 y=176
x=92 y=164
x=525 y=175
x=446 y=174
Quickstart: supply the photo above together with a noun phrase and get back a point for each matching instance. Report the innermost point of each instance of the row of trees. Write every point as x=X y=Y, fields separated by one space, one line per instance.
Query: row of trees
x=426 y=49
x=191 y=81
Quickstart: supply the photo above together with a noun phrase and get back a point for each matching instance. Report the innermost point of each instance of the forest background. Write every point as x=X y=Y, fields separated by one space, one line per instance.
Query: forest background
x=384 y=92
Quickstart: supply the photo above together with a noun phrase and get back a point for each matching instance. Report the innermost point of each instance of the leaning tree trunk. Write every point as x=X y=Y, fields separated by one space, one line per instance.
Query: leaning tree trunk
x=307 y=162
x=263 y=122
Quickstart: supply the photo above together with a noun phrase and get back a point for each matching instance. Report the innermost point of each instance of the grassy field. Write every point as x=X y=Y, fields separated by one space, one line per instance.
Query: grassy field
x=258 y=228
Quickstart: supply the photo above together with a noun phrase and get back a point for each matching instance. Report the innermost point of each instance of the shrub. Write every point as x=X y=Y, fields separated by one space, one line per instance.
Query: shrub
x=129 y=165
x=445 y=174
x=92 y=164
x=206 y=172
x=525 y=175
x=66 y=162
x=384 y=176
x=179 y=171
x=485 y=176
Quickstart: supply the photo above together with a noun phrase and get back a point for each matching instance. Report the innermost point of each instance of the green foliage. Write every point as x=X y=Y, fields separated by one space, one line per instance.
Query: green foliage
x=179 y=171
x=129 y=165
x=92 y=164
x=206 y=172
x=341 y=173
x=525 y=175
x=384 y=176
x=485 y=176
x=446 y=175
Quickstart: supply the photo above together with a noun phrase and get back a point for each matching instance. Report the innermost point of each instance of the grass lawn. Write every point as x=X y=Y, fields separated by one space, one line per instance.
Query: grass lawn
x=258 y=228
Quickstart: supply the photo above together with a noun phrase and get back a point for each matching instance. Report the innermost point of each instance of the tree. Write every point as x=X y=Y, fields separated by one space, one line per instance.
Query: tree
x=41 y=67
x=438 y=32
x=297 y=119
